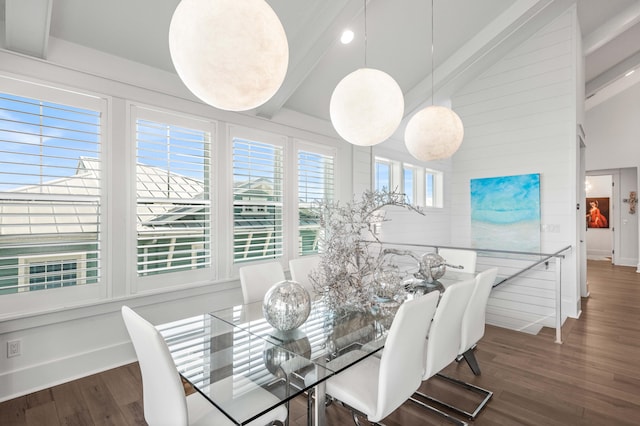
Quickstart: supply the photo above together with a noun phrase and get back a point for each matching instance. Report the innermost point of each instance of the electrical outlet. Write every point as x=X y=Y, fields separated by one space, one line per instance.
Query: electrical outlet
x=13 y=348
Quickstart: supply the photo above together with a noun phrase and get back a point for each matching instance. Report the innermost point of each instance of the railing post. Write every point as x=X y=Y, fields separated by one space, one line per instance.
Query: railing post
x=558 y=300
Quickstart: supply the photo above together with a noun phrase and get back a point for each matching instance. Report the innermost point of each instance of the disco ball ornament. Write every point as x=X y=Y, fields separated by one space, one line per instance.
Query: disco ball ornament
x=288 y=354
x=286 y=305
x=432 y=267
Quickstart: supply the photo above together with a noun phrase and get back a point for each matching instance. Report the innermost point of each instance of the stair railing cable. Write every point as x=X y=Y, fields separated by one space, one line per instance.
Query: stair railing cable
x=545 y=258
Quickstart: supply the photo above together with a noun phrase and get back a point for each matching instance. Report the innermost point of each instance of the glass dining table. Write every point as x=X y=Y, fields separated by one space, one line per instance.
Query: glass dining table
x=226 y=355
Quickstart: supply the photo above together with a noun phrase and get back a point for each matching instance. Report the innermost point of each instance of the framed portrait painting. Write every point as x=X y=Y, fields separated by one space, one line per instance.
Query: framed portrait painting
x=598 y=212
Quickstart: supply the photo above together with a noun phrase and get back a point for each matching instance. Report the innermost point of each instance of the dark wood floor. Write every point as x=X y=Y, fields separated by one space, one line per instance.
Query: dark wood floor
x=593 y=378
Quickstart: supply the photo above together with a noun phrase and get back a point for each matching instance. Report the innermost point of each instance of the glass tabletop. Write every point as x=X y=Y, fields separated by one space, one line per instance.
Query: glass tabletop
x=246 y=367
x=242 y=374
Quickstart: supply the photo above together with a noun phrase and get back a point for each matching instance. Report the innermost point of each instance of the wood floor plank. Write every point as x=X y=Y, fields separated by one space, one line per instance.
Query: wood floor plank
x=100 y=402
x=42 y=414
x=592 y=378
x=12 y=412
x=70 y=404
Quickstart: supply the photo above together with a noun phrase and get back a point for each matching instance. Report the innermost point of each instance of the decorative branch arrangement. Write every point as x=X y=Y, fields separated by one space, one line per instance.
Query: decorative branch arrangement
x=349 y=265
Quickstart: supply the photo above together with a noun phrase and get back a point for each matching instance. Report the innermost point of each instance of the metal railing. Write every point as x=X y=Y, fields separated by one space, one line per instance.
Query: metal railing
x=492 y=257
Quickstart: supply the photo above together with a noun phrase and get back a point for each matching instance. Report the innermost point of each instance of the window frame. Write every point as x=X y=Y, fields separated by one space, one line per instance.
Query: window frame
x=61 y=297
x=180 y=278
x=260 y=136
x=327 y=151
x=397 y=170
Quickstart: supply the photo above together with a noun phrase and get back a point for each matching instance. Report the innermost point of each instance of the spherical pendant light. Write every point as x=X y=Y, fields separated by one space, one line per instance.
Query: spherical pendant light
x=366 y=107
x=434 y=133
x=232 y=54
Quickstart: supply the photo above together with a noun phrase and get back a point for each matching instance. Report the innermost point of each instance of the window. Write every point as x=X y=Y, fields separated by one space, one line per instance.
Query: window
x=383 y=174
x=422 y=187
x=433 y=188
x=173 y=193
x=257 y=200
x=409 y=183
x=50 y=190
x=315 y=184
x=42 y=272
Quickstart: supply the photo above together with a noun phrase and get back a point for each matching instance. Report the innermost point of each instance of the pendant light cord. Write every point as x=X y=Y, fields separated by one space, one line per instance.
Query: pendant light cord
x=432 y=94
x=365 y=33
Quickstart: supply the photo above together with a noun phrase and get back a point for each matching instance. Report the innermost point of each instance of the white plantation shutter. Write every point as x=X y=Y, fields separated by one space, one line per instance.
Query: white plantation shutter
x=173 y=195
x=50 y=193
x=257 y=200
x=315 y=184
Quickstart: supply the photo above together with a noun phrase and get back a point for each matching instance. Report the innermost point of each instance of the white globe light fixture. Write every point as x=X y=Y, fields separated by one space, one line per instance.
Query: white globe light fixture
x=232 y=54
x=434 y=133
x=366 y=107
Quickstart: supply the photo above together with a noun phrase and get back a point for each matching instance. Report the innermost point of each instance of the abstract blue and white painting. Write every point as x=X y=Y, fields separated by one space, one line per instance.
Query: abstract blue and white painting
x=505 y=213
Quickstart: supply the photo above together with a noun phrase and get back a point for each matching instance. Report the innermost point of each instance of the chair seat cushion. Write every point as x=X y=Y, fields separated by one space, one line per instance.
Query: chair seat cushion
x=357 y=386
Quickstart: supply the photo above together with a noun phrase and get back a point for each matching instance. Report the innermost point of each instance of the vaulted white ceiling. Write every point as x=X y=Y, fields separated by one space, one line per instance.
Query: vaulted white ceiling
x=468 y=36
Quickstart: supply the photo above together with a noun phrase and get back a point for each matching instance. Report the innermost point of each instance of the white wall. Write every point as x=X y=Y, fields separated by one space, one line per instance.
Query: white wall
x=519 y=118
x=627 y=227
x=612 y=128
x=599 y=240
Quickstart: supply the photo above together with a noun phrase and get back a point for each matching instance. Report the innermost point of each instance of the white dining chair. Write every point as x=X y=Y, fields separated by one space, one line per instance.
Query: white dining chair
x=443 y=341
x=463 y=260
x=375 y=387
x=164 y=400
x=301 y=267
x=257 y=279
x=472 y=330
x=473 y=322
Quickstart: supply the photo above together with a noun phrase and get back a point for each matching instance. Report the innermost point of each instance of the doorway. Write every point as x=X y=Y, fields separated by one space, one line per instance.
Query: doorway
x=599 y=220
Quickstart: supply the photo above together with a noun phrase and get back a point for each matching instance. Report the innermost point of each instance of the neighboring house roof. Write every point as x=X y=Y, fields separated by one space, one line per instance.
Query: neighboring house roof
x=49 y=212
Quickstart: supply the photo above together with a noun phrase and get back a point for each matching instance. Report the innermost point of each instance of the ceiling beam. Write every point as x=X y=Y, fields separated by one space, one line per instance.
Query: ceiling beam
x=27 y=24
x=612 y=74
x=321 y=32
x=611 y=29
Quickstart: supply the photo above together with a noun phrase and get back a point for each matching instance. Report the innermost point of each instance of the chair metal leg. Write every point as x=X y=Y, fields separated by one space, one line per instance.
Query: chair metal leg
x=433 y=409
x=470 y=357
x=470 y=415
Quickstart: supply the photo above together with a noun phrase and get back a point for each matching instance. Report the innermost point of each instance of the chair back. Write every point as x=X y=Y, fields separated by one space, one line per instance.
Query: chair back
x=456 y=257
x=163 y=395
x=402 y=362
x=473 y=320
x=300 y=269
x=445 y=333
x=257 y=279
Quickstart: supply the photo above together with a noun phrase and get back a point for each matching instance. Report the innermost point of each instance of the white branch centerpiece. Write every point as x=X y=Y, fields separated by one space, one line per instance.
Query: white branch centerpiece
x=349 y=265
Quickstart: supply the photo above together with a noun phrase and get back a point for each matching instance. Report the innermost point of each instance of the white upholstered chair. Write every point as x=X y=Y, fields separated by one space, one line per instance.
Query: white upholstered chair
x=300 y=269
x=164 y=399
x=463 y=260
x=443 y=342
x=257 y=279
x=377 y=386
x=473 y=322
x=472 y=330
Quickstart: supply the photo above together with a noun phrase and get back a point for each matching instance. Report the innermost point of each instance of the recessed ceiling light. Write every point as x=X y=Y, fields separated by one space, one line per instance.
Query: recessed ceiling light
x=347 y=37
x=629 y=73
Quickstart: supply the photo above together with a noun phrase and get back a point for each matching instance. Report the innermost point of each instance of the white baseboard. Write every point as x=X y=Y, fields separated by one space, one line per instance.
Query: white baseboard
x=37 y=377
x=627 y=261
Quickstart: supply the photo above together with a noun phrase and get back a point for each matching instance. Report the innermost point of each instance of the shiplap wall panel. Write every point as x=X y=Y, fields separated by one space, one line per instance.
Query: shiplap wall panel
x=519 y=118
x=361 y=169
